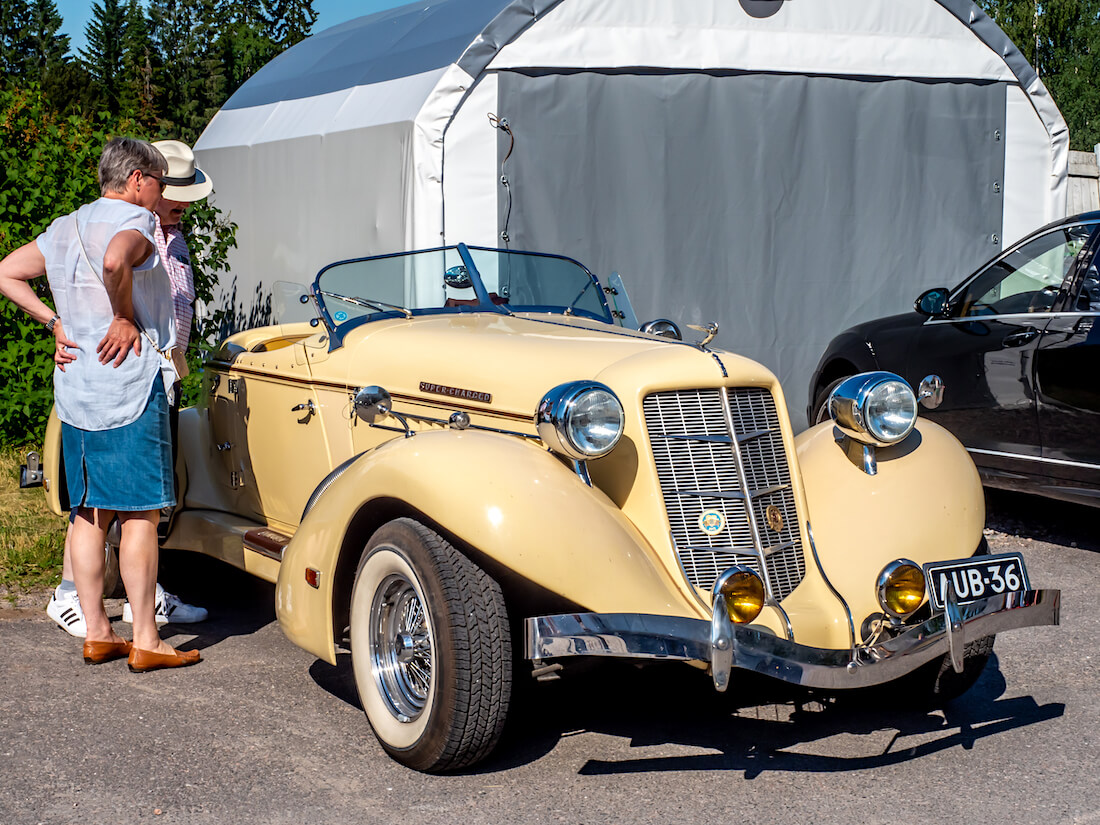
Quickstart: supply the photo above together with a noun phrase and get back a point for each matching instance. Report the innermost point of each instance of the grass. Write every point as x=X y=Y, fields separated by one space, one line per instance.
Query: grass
x=32 y=538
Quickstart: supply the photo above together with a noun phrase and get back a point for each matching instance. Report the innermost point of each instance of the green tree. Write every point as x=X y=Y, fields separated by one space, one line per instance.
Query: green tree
x=103 y=56
x=137 y=91
x=15 y=45
x=290 y=20
x=245 y=42
x=48 y=46
x=1061 y=40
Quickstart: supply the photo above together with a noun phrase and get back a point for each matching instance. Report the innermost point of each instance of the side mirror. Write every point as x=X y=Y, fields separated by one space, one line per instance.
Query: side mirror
x=457 y=277
x=372 y=402
x=930 y=392
x=932 y=303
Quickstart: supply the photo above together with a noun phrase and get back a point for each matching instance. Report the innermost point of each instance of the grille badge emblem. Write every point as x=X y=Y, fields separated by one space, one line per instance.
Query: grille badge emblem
x=773 y=517
x=711 y=522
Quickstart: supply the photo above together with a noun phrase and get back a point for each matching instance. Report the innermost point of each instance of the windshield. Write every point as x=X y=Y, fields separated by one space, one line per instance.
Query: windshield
x=456 y=279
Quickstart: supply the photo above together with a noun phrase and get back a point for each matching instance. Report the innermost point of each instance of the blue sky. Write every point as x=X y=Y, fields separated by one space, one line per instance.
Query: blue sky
x=329 y=13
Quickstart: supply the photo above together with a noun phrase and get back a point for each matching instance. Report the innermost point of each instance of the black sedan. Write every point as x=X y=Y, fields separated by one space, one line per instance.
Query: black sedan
x=1020 y=361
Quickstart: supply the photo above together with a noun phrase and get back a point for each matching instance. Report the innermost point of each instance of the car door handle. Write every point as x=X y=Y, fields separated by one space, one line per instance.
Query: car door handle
x=1017 y=339
x=308 y=407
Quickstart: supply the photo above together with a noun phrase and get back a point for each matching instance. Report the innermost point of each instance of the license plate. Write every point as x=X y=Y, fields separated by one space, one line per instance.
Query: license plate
x=976 y=578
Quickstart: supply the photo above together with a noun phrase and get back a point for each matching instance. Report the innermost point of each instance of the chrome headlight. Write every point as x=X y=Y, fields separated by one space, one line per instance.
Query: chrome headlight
x=581 y=419
x=900 y=588
x=874 y=408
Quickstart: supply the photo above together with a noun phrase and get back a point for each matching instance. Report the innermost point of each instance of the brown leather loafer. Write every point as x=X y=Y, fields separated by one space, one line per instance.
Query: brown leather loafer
x=96 y=653
x=141 y=661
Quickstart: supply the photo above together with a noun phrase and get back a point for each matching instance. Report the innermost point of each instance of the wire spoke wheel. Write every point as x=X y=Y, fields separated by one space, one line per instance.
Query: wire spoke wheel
x=430 y=649
x=401 y=647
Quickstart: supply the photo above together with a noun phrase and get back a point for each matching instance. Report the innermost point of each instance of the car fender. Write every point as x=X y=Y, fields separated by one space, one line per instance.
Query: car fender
x=57 y=499
x=510 y=500
x=849 y=353
x=924 y=503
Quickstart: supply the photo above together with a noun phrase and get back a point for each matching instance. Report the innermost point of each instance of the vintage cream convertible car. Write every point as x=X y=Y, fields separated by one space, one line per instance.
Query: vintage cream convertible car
x=470 y=459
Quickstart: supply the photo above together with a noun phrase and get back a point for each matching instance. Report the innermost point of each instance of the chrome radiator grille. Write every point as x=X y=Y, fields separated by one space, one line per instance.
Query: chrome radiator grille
x=704 y=468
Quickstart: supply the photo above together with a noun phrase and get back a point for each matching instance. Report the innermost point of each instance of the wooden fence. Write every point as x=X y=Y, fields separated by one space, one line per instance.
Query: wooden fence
x=1084 y=182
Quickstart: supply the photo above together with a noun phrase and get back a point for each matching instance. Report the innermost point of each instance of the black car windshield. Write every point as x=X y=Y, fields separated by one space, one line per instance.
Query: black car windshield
x=457 y=279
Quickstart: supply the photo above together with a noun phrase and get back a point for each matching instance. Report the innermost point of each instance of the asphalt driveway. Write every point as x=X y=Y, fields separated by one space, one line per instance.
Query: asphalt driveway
x=262 y=732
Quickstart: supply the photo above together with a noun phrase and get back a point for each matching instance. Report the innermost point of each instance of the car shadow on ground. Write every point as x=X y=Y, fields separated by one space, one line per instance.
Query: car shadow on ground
x=239 y=604
x=1043 y=519
x=760 y=725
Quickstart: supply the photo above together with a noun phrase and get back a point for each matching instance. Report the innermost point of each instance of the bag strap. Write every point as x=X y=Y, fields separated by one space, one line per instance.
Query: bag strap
x=88 y=263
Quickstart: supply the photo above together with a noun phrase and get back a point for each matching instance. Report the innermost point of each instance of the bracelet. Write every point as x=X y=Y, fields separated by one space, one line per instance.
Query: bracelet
x=51 y=322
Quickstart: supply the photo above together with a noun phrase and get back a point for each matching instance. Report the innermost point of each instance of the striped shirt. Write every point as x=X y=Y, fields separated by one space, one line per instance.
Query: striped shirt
x=177 y=262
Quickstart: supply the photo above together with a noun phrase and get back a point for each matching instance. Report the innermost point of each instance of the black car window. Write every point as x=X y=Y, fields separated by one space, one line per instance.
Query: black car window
x=1087 y=298
x=1026 y=279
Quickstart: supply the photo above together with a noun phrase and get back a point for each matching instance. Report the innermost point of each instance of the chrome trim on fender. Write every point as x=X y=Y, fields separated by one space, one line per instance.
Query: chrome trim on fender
x=833 y=590
x=631 y=635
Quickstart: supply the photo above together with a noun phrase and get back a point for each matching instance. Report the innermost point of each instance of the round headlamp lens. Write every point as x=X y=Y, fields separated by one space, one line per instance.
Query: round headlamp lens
x=890 y=411
x=901 y=588
x=744 y=595
x=594 y=422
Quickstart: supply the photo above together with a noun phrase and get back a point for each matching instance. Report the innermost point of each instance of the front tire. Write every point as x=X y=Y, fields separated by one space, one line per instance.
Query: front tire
x=936 y=683
x=431 y=649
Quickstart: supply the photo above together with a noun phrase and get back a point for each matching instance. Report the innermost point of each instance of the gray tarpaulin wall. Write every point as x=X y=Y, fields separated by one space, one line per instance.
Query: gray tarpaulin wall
x=785 y=169
x=620 y=170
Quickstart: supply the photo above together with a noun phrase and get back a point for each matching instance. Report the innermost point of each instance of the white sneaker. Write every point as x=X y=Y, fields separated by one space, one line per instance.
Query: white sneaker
x=169 y=608
x=65 y=610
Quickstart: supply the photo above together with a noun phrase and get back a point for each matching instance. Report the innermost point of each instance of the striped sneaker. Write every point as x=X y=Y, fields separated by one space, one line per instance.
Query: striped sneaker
x=64 y=608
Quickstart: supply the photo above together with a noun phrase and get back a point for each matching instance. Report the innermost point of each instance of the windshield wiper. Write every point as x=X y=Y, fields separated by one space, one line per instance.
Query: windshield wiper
x=380 y=306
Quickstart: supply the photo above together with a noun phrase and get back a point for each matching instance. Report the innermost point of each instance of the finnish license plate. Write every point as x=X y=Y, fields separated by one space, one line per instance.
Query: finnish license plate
x=976 y=578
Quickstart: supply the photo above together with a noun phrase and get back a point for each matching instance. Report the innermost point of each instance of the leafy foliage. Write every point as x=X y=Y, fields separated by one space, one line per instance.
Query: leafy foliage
x=1061 y=40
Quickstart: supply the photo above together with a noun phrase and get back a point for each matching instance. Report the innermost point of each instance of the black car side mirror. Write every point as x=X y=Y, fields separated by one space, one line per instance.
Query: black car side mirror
x=933 y=302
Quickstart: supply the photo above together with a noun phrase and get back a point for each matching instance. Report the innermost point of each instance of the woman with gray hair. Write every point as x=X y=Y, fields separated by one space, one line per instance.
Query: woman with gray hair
x=113 y=329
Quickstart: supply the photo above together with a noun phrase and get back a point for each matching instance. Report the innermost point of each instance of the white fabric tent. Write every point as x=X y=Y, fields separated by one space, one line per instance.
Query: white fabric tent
x=784 y=167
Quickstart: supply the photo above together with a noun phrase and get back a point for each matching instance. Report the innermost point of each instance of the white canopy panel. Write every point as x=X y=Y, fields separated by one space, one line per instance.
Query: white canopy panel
x=786 y=167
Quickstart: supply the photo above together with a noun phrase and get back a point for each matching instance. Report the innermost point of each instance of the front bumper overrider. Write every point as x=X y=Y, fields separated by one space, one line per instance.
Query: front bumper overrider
x=725 y=646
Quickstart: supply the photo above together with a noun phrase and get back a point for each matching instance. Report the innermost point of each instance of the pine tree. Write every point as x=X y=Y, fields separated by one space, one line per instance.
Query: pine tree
x=15 y=46
x=103 y=57
x=245 y=42
x=49 y=48
x=137 y=92
x=291 y=21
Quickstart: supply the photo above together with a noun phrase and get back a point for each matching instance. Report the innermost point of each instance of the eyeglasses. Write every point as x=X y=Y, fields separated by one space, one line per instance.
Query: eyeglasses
x=160 y=181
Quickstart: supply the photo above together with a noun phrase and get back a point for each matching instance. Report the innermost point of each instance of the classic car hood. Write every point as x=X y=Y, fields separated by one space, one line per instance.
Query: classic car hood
x=505 y=364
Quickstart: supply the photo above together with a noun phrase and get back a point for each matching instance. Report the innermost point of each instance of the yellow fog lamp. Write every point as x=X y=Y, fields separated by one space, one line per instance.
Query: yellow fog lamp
x=900 y=588
x=743 y=592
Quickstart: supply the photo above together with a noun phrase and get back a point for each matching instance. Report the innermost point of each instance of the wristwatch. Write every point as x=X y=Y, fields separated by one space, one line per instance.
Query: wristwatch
x=51 y=322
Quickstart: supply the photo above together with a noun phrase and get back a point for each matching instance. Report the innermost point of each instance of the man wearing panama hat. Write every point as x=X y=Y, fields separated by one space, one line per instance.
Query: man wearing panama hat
x=183 y=184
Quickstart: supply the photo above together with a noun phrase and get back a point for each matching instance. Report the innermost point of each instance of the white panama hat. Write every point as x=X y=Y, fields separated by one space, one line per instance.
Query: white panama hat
x=185 y=181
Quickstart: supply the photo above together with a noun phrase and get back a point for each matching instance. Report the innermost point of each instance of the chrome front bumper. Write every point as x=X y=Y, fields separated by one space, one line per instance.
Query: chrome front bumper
x=725 y=646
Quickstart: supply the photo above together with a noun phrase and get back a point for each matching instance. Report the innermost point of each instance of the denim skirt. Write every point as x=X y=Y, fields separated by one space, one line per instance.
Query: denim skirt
x=128 y=468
